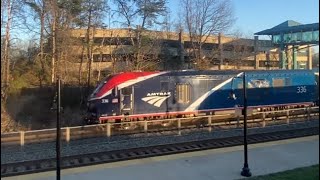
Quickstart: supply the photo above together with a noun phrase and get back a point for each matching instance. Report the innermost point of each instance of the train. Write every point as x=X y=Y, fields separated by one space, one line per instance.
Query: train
x=133 y=96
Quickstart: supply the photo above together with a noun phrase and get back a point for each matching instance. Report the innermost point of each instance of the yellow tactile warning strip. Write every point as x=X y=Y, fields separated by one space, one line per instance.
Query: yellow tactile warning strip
x=160 y=158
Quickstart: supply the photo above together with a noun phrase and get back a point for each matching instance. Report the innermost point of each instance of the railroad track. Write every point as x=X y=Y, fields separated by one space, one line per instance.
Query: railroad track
x=28 y=167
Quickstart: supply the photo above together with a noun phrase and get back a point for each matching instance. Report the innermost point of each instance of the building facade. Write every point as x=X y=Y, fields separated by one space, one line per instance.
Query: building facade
x=114 y=49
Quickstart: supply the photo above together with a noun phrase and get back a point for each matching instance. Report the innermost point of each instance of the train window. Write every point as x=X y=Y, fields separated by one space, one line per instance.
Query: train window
x=183 y=93
x=127 y=91
x=278 y=82
x=115 y=91
x=258 y=83
x=287 y=81
x=99 y=87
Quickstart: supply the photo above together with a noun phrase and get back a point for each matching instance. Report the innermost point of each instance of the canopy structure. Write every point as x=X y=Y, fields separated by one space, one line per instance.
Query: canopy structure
x=292 y=33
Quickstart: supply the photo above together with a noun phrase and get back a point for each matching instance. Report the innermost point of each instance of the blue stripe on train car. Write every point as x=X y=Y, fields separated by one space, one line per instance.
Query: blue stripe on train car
x=265 y=88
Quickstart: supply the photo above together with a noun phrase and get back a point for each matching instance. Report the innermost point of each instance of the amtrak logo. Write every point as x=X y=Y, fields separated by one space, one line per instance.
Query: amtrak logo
x=156 y=99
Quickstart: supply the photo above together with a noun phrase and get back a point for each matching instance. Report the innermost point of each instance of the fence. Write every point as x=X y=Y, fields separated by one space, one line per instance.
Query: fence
x=107 y=130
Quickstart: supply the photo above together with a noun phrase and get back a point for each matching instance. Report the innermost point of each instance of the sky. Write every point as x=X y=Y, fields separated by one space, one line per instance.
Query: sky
x=256 y=15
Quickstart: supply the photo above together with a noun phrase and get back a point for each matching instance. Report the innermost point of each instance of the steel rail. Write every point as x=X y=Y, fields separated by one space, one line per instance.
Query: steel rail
x=28 y=167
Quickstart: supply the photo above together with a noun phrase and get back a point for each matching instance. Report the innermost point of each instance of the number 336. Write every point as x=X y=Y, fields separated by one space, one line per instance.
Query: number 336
x=301 y=89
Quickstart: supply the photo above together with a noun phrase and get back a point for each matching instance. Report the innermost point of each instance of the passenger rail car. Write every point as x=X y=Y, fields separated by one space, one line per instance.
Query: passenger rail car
x=141 y=95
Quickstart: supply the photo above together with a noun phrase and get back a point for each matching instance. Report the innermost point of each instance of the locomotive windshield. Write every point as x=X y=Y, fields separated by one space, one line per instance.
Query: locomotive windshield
x=97 y=89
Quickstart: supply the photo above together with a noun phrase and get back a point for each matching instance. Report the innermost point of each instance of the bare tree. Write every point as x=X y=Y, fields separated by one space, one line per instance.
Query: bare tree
x=81 y=63
x=53 y=18
x=6 y=59
x=10 y=13
x=239 y=50
x=3 y=12
x=92 y=15
x=6 y=41
x=123 y=52
x=204 y=18
x=39 y=7
x=99 y=48
x=56 y=18
x=141 y=14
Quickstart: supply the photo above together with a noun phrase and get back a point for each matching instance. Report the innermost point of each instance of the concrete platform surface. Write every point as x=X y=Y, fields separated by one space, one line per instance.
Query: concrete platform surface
x=216 y=164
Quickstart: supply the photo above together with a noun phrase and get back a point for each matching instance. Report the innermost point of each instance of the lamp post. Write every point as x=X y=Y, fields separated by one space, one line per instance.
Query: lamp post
x=245 y=170
x=58 y=130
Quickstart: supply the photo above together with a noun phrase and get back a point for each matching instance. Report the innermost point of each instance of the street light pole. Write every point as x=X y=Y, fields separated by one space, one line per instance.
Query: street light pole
x=245 y=170
x=58 y=129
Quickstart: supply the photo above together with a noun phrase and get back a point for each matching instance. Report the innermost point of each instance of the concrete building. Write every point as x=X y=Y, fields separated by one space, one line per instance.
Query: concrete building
x=113 y=48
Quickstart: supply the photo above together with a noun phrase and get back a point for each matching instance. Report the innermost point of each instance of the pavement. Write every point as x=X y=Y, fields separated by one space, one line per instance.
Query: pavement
x=215 y=164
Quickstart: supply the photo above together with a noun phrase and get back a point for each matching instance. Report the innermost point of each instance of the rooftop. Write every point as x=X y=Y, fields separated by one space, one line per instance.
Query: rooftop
x=289 y=26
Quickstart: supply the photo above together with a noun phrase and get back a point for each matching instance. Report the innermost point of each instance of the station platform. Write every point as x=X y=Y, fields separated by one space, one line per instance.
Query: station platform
x=215 y=164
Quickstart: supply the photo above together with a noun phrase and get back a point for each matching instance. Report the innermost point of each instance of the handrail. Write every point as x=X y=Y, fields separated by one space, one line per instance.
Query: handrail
x=78 y=132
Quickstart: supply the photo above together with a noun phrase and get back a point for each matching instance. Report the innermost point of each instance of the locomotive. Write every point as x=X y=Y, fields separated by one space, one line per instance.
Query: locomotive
x=146 y=95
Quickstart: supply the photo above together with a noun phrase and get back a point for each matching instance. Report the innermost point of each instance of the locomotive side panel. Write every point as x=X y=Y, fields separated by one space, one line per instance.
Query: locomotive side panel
x=168 y=93
x=150 y=97
x=300 y=89
x=217 y=96
x=264 y=88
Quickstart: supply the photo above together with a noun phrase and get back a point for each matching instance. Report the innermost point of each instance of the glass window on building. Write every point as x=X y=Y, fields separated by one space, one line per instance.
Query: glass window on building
x=296 y=37
x=287 y=38
x=105 y=58
x=302 y=65
x=307 y=36
x=276 y=39
x=302 y=52
x=315 y=36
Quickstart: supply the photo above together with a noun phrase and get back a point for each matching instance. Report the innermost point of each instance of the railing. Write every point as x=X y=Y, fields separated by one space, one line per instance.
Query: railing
x=107 y=130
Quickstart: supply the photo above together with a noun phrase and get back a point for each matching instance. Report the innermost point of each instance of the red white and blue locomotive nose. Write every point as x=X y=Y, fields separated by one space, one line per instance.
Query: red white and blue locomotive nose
x=120 y=81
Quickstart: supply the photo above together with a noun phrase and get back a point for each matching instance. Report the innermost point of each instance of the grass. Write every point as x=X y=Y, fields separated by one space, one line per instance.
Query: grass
x=305 y=173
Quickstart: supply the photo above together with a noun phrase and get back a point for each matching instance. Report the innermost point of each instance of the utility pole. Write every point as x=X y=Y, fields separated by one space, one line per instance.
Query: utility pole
x=58 y=128
x=245 y=170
